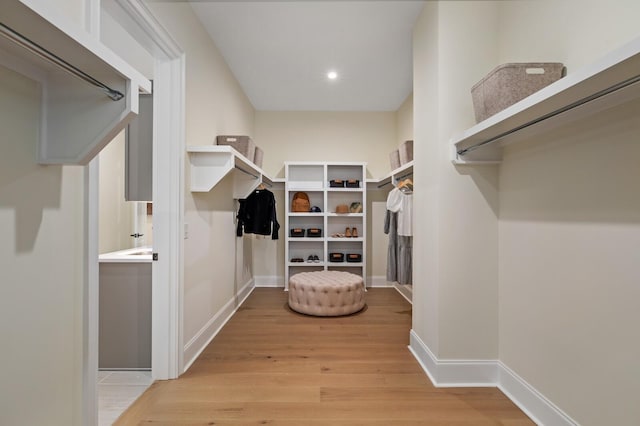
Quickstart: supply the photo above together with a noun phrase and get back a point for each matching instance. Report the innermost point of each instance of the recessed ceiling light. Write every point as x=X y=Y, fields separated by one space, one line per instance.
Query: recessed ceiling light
x=332 y=75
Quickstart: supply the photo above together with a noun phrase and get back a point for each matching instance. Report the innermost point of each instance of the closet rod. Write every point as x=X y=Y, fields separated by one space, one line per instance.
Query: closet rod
x=400 y=178
x=597 y=95
x=405 y=175
x=43 y=53
x=249 y=173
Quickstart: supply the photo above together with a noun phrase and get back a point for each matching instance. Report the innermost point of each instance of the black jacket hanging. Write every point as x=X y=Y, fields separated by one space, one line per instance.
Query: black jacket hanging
x=257 y=214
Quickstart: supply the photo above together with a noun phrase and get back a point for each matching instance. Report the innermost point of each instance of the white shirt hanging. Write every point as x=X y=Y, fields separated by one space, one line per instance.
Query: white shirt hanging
x=401 y=203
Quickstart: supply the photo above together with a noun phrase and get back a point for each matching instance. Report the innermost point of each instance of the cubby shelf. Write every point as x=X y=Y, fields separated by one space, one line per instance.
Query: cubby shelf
x=313 y=178
x=209 y=164
x=612 y=80
x=77 y=118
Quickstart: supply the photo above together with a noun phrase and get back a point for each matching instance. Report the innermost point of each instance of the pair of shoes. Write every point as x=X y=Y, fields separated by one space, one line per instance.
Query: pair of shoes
x=337 y=235
x=351 y=232
x=313 y=258
x=297 y=260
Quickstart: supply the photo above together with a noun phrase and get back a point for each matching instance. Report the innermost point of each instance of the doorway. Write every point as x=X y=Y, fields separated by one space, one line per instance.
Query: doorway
x=168 y=157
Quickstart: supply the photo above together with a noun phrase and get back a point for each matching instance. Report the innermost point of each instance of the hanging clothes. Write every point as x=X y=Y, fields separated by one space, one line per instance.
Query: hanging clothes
x=257 y=214
x=399 y=226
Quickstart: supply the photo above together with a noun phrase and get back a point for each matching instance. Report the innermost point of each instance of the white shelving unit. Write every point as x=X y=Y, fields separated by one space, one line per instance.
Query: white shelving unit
x=77 y=118
x=610 y=81
x=313 y=178
x=209 y=164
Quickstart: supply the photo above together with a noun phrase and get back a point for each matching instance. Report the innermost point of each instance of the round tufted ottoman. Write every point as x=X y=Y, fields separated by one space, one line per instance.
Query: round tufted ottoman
x=326 y=293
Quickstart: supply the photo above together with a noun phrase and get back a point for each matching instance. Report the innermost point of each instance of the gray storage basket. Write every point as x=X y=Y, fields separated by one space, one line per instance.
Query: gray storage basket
x=257 y=156
x=510 y=83
x=243 y=144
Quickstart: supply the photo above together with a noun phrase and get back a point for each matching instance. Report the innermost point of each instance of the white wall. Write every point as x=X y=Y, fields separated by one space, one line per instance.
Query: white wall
x=455 y=243
x=570 y=227
x=215 y=104
x=404 y=120
x=42 y=259
x=116 y=216
x=557 y=227
x=326 y=136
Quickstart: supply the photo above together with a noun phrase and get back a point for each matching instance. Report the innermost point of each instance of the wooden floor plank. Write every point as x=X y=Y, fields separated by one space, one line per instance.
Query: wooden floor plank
x=270 y=365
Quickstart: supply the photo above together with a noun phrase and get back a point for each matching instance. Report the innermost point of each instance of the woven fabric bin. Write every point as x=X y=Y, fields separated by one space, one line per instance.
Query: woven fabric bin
x=510 y=83
x=406 y=152
x=257 y=156
x=243 y=144
x=394 y=159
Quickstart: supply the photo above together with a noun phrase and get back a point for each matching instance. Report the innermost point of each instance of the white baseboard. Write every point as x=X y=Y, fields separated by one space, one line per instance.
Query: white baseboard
x=404 y=292
x=528 y=399
x=269 y=281
x=453 y=373
x=488 y=373
x=196 y=345
x=378 y=281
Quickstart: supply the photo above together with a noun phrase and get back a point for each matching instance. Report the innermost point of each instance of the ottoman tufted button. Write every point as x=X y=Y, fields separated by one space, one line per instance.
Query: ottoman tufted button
x=343 y=293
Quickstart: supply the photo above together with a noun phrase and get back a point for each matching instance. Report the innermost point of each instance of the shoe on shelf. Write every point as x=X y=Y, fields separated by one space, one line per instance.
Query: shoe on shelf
x=354 y=232
x=337 y=235
x=316 y=259
x=347 y=232
x=310 y=258
x=297 y=260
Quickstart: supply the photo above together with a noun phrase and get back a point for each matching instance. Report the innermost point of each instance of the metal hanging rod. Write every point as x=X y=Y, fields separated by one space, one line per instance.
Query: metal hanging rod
x=400 y=178
x=597 y=95
x=405 y=175
x=249 y=173
x=43 y=53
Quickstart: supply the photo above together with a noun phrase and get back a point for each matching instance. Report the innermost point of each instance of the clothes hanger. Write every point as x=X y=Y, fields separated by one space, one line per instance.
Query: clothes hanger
x=261 y=187
x=406 y=186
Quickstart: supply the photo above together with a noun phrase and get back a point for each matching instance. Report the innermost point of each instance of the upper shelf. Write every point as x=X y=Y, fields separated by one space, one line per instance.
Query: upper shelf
x=394 y=176
x=211 y=163
x=610 y=81
x=77 y=119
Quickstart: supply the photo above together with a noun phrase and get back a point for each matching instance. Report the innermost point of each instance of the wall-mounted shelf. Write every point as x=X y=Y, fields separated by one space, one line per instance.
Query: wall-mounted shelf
x=402 y=172
x=77 y=118
x=211 y=163
x=610 y=81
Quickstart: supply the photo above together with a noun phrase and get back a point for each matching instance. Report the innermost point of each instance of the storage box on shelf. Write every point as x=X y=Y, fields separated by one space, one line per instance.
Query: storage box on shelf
x=608 y=82
x=243 y=144
x=327 y=186
x=406 y=152
x=509 y=83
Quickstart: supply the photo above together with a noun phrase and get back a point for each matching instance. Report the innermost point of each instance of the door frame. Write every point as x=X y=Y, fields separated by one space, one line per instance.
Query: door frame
x=168 y=201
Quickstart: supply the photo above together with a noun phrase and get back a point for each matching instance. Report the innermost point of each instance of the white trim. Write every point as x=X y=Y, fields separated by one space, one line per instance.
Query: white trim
x=488 y=373
x=168 y=195
x=276 y=281
x=453 y=373
x=529 y=400
x=199 y=342
x=168 y=186
x=378 y=281
x=90 y=302
x=407 y=294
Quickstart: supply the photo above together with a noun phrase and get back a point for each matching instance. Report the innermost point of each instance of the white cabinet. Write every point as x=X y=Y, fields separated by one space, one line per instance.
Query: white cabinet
x=314 y=179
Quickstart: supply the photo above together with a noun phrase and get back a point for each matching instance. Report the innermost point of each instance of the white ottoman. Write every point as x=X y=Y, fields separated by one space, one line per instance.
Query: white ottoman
x=326 y=293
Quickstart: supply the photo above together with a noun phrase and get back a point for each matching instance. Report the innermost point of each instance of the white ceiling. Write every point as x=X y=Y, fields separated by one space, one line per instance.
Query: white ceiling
x=281 y=51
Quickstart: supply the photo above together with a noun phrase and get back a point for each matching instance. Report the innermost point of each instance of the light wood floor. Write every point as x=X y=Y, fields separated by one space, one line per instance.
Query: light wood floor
x=269 y=365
